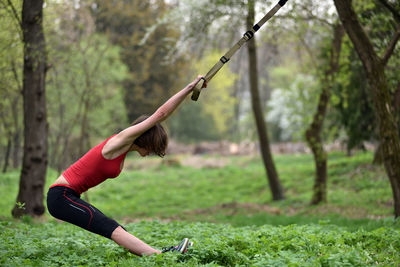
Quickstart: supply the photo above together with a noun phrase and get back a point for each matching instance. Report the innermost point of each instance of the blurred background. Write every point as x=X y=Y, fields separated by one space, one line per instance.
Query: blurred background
x=108 y=62
x=111 y=61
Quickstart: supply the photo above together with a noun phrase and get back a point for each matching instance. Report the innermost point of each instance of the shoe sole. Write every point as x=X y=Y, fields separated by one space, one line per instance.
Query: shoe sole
x=183 y=247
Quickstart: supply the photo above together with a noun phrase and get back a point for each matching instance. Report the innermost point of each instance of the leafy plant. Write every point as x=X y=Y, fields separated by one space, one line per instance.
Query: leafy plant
x=214 y=245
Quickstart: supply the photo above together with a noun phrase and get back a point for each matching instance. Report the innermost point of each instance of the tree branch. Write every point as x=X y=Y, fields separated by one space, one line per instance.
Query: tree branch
x=309 y=51
x=14 y=11
x=394 y=12
x=17 y=80
x=309 y=17
x=391 y=46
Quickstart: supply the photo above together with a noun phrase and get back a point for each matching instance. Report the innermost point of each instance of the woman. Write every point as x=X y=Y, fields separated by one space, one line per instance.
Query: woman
x=105 y=161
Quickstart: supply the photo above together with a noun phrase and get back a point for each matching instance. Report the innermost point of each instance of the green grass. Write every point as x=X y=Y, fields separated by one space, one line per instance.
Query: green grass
x=52 y=244
x=355 y=189
x=229 y=213
x=260 y=219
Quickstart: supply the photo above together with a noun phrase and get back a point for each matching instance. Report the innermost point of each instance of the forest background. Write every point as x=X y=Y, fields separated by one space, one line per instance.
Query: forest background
x=107 y=62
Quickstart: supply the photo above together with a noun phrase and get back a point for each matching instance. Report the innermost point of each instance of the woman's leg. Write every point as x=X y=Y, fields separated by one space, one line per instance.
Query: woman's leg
x=64 y=204
x=132 y=243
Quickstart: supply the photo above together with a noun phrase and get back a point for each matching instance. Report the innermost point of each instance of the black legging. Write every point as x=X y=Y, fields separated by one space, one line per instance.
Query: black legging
x=65 y=204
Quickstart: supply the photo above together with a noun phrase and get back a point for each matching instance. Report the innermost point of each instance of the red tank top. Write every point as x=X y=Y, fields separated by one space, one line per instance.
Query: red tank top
x=93 y=169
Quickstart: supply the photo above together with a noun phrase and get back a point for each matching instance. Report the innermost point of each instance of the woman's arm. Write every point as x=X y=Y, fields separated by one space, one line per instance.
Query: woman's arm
x=128 y=135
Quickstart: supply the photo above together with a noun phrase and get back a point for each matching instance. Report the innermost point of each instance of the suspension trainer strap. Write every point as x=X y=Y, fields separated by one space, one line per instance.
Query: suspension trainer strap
x=225 y=58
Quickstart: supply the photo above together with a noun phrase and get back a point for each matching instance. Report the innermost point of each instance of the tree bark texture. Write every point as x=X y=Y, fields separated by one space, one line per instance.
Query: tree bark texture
x=375 y=69
x=273 y=179
x=34 y=161
x=378 y=156
x=313 y=133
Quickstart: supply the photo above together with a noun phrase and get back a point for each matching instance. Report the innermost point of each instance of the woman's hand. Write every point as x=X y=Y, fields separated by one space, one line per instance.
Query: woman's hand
x=196 y=81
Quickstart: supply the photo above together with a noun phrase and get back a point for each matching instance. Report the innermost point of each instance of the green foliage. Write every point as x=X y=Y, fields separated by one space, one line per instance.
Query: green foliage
x=289 y=108
x=356 y=189
x=381 y=26
x=11 y=62
x=20 y=205
x=204 y=119
x=322 y=235
x=352 y=102
x=155 y=69
x=191 y=123
x=218 y=100
x=297 y=78
x=67 y=85
x=84 y=92
x=350 y=98
x=214 y=245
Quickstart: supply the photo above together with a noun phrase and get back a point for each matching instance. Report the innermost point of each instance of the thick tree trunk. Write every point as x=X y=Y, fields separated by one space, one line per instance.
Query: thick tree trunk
x=378 y=156
x=374 y=67
x=34 y=161
x=396 y=101
x=313 y=133
x=273 y=179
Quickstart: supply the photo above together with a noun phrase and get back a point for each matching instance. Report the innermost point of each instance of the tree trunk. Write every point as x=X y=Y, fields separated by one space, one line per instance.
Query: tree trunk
x=313 y=133
x=378 y=156
x=273 y=179
x=375 y=69
x=15 y=111
x=34 y=161
x=7 y=155
x=16 y=149
x=396 y=100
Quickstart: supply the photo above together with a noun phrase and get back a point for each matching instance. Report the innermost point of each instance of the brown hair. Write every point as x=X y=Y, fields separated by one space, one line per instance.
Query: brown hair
x=154 y=139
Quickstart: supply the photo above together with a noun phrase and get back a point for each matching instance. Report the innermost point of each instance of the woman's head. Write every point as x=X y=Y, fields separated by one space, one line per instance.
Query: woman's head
x=154 y=140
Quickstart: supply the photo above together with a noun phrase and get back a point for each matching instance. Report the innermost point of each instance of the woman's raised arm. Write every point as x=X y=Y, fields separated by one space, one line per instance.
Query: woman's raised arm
x=127 y=136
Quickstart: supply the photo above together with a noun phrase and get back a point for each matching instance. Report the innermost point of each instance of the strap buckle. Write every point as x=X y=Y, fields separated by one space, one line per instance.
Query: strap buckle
x=223 y=59
x=248 y=35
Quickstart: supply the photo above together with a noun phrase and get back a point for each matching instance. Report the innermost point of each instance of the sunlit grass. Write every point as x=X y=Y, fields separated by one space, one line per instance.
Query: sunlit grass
x=356 y=190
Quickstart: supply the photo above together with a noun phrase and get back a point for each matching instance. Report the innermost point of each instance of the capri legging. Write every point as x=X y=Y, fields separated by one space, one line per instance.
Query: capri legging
x=65 y=204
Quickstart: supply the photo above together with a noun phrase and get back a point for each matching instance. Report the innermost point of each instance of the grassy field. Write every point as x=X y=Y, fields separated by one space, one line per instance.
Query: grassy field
x=227 y=210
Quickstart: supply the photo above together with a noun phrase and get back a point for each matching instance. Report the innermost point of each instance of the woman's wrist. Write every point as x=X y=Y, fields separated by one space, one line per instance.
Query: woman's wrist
x=191 y=85
x=189 y=88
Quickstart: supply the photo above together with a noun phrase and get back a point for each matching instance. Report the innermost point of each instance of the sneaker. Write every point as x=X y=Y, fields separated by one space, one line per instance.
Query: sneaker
x=181 y=248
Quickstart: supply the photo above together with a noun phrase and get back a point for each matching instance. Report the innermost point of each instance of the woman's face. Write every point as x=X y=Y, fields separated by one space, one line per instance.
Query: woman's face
x=143 y=152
